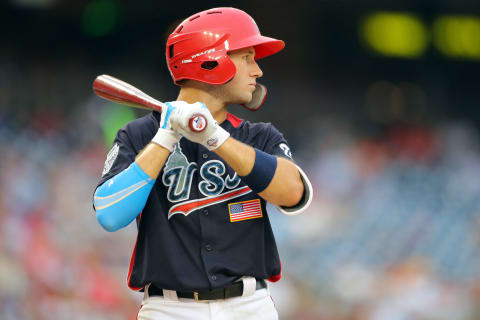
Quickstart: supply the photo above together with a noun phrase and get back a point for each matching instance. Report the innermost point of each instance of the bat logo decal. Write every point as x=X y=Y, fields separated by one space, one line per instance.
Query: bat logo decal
x=198 y=123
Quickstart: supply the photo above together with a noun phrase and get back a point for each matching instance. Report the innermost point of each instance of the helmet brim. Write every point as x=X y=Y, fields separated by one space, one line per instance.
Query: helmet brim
x=264 y=46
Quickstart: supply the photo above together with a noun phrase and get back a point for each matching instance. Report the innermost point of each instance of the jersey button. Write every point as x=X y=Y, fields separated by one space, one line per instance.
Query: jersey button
x=214 y=277
x=204 y=156
x=208 y=247
x=205 y=212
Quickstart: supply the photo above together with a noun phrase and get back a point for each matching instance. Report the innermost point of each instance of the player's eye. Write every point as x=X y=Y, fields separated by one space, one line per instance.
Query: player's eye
x=248 y=58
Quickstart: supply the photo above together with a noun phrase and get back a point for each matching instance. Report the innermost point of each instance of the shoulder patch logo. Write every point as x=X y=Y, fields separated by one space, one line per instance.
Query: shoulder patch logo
x=111 y=157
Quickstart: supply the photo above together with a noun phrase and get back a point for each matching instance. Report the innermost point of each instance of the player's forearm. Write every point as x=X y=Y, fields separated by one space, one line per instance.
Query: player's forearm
x=286 y=187
x=121 y=198
x=152 y=159
x=239 y=156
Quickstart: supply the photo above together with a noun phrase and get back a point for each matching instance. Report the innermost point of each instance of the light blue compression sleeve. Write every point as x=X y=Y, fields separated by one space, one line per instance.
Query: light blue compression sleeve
x=120 y=199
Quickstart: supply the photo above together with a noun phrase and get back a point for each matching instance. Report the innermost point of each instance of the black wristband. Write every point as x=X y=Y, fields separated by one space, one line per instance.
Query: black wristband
x=262 y=172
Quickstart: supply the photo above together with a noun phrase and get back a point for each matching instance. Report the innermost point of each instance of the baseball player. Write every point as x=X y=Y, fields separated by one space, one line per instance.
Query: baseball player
x=205 y=247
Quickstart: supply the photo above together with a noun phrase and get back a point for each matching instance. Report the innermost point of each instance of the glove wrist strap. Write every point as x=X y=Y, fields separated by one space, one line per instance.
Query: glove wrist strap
x=166 y=138
x=217 y=139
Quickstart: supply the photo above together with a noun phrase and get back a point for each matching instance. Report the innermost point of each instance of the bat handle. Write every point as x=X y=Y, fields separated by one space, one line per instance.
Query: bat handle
x=197 y=122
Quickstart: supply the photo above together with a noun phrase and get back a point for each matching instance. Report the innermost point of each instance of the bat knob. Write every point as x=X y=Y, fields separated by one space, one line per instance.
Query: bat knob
x=197 y=122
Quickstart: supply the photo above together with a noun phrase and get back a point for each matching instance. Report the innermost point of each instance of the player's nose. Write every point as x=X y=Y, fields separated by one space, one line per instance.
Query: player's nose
x=256 y=71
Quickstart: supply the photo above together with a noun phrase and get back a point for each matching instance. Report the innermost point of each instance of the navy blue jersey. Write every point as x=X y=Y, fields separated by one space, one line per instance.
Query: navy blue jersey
x=202 y=227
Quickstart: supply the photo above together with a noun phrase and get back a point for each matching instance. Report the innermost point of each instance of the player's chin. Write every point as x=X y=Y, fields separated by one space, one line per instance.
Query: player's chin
x=244 y=98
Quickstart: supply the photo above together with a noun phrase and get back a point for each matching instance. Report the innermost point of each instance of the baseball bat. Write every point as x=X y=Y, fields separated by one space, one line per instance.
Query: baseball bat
x=116 y=90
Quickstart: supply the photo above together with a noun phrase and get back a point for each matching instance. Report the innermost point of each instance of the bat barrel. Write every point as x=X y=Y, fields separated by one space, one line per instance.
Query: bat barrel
x=116 y=90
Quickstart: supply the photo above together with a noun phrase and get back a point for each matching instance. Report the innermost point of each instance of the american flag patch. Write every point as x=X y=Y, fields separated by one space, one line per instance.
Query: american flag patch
x=250 y=209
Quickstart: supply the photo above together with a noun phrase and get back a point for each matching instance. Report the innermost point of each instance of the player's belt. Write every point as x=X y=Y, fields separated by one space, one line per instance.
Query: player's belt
x=233 y=290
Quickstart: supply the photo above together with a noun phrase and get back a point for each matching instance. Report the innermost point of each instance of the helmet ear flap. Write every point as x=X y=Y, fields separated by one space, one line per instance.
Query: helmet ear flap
x=217 y=71
x=258 y=98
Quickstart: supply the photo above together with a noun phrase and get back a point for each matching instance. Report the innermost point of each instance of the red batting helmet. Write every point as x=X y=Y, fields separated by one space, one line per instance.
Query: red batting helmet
x=197 y=48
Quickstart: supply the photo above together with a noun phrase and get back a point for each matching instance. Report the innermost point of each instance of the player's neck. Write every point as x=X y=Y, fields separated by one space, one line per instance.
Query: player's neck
x=217 y=107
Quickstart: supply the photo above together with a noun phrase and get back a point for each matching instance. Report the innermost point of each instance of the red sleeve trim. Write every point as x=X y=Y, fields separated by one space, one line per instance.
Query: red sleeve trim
x=276 y=277
x=132 y=262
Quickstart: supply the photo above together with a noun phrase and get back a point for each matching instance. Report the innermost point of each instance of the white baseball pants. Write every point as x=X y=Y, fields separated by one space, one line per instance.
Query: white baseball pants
x=256 y=304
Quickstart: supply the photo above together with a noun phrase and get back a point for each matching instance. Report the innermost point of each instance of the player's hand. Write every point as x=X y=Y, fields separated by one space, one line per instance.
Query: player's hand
x=211 y=137
x=166 y=136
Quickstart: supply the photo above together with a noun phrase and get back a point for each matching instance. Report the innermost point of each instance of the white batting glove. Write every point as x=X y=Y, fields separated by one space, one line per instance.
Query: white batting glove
x=166 y=136
x=212 y=137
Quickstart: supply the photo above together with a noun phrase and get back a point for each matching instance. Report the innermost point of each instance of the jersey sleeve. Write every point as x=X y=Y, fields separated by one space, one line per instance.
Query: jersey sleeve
x=129 y=141
x=277 y=145
x=120 y=156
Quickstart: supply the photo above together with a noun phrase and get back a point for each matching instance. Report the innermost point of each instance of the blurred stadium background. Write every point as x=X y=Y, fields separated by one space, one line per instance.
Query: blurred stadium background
x=379 y=100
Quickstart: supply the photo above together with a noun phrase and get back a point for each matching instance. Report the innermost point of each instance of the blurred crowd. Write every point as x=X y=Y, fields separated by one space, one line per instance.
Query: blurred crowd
x=393 y=231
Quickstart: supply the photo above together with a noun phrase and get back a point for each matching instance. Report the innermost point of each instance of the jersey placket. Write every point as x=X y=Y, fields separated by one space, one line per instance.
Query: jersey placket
x=205 y=217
